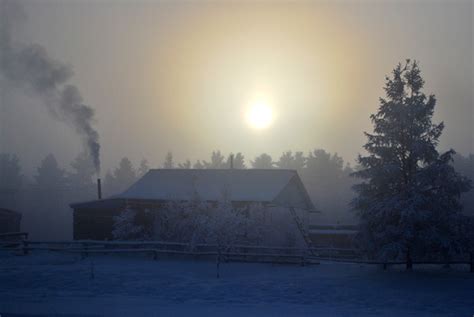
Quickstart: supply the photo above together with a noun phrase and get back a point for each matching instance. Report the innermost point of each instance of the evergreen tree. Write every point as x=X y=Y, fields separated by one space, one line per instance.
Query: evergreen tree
x=263 y=161
x=169 y=163
x=330 y=186
x=143 y=168
x=121 y=178
x=289 y=161
x=50 y=175
x=109 y=185
x=83 y=171
x=125 y=174
x=10 y=172
x=11 y=180
x=409 y=202
x=217 y=161
x=198 y=165
x=465 y=166
x=324 y=165
x=238 y=161
x=185 y=165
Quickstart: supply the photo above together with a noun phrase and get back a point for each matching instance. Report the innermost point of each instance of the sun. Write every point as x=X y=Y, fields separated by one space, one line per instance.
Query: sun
x=259 y=114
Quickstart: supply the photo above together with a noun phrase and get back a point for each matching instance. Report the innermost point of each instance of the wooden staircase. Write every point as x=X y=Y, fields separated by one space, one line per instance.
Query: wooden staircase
x=303 y=231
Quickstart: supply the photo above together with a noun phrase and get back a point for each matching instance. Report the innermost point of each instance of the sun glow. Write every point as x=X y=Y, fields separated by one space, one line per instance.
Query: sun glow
x=259 y=114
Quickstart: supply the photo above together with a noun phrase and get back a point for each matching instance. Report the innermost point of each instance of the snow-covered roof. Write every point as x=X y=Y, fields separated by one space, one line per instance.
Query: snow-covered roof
x=276 y=186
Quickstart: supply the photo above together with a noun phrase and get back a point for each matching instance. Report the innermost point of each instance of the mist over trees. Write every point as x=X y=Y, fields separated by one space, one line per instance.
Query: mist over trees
x=49 y=175
x=123 y=176
x=217 y=161
x=262 y=161
x=45 y=197
x=168 y=163
x=11 y=180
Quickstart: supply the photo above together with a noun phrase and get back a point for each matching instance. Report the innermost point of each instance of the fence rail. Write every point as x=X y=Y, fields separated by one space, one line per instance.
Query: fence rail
x=9 y=235
x=246 y=253
x=156 y=248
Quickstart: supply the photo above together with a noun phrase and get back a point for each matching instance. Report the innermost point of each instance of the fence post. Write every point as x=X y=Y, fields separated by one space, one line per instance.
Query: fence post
x=218 y=261
x=304 y=257
x=84 y=251
x=409 y=261
x=472 y=262
x=25 y=247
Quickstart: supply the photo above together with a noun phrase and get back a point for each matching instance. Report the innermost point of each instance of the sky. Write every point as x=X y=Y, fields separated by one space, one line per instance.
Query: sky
x=180 y=76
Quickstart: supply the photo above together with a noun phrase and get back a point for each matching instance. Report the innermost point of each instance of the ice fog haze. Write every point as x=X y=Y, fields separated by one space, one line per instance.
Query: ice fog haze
x=177 y=76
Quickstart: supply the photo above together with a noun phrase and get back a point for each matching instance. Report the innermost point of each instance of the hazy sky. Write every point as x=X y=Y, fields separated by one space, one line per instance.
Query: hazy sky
x=178 y=76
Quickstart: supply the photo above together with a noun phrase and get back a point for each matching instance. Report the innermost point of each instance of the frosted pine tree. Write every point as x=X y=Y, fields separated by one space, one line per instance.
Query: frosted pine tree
x=408 y=204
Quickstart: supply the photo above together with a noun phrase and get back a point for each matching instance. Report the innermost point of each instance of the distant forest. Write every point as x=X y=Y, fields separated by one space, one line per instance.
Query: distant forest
x=44 y=199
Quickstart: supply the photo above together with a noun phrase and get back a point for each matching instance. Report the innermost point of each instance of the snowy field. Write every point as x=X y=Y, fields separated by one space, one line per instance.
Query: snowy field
x=49 y=284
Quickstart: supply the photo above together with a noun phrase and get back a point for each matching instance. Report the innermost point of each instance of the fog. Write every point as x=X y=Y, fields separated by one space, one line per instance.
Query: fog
x=221 y=156
x=178 y=76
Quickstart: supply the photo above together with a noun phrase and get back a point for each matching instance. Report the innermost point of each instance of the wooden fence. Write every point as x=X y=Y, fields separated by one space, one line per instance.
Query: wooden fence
x=242 y=253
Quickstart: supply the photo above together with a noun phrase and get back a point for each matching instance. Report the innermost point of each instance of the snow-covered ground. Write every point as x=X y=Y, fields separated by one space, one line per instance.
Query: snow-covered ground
x=50 y=284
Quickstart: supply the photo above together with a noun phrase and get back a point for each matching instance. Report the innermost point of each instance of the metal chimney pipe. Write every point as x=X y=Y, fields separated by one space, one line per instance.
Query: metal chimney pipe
x=99 y=189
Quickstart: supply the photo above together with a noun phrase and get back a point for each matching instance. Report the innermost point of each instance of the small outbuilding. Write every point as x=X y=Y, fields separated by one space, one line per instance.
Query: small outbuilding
x=281 y=195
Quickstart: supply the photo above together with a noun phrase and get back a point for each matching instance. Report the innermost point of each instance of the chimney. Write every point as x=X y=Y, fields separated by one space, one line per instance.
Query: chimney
x=231 y=161
x=99 y=189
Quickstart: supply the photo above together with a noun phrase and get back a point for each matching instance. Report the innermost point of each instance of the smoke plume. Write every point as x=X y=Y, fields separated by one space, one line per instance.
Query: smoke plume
x=30 y=68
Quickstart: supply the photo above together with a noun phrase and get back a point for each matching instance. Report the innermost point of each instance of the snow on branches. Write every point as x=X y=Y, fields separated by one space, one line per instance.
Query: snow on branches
x=125 y=227
x=409 y=200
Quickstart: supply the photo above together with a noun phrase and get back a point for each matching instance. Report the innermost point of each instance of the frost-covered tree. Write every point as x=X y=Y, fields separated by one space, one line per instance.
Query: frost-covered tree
x=263 y=161
x=408 y=204
x=218 y=223
x=179 y=220
x=198 y=165
x=288 y=160
x=238 y=161
x=226 y=225
x=185 y=165
x=143 y=168
x=217 y=161
x=465 y=166
x=125 y=226
x=168 y=163
x=324 y=165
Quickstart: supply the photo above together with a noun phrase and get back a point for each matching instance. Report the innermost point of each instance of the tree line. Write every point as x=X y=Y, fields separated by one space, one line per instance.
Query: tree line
x=44 y=198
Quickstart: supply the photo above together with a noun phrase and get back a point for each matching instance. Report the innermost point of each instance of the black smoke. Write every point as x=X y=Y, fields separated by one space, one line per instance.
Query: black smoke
x=29 y=67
